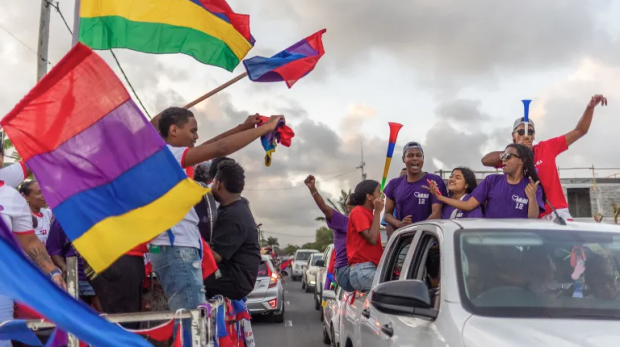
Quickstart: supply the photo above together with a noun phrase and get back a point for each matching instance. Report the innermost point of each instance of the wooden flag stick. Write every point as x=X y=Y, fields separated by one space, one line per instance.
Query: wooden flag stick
x=216 y=90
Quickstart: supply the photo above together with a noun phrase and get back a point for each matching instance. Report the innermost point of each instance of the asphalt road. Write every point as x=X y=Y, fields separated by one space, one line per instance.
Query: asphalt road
x=302 y=326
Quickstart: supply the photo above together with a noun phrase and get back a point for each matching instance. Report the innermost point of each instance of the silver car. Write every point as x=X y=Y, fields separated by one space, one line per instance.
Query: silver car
x=493 y=282
x=332 y=305
x=267 y=298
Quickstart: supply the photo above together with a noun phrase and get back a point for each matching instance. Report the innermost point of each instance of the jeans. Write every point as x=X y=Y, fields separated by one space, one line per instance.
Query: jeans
x=179 y=271
x=6 y=313
x=361 y=276
x=119 y=287
x=343 y=278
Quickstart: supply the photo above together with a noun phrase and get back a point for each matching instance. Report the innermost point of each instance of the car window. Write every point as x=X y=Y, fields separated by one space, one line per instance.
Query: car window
x=303 y=256
x=316 y=258
x=426 y=265
x=397 y=258
x=539 y=273
x=340 y=293
x=263 y=270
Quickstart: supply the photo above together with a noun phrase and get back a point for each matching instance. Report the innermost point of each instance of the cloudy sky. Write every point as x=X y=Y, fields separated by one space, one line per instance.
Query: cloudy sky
x=452 y=72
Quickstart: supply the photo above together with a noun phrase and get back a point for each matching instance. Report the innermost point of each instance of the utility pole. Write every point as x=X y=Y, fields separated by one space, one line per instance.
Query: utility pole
x=362 y=164
x=44 y=36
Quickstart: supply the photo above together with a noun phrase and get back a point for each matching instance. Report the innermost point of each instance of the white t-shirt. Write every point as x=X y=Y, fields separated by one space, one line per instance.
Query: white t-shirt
x=186 y=233
x=14 y=174
x=14 y=210
x=44 y=220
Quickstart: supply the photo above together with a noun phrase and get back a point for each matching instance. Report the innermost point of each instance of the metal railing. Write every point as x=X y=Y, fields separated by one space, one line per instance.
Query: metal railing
x=201 y=322
x=482 y=173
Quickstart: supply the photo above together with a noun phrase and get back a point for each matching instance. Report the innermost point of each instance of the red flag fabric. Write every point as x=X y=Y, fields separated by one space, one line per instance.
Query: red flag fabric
x=209 y=266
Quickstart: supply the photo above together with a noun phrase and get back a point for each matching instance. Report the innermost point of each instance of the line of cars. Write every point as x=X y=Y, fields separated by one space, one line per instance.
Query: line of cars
x=485 y=283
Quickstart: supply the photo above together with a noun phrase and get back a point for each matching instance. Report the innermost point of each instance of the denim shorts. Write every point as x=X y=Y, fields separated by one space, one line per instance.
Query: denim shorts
x=342 y=278
x=361 y=276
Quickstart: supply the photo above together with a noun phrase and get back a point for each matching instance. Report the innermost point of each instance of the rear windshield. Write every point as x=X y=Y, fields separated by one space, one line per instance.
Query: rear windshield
x=263 y=270
x=316 y=258
x=303 y=255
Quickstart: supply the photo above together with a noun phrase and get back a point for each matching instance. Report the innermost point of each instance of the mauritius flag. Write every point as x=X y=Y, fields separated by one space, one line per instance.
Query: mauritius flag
x=290 y=65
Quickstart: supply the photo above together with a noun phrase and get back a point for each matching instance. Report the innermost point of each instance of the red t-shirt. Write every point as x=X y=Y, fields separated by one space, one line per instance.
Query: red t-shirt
x=358 y=249
x=545 y=153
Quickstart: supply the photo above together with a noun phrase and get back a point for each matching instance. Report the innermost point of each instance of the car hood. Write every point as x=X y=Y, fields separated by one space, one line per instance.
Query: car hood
x=507 y=332
x=315 y=268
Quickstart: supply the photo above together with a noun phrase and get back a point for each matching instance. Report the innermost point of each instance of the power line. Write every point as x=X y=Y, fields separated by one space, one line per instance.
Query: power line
x=55 y=6
x=25 y=45
x=301 y=185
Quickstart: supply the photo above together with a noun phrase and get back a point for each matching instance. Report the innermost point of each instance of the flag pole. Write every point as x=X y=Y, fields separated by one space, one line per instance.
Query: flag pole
x=216 y=90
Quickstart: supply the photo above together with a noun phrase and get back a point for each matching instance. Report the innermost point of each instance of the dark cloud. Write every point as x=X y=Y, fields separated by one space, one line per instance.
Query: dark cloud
x=461 y=110
x=453 y=147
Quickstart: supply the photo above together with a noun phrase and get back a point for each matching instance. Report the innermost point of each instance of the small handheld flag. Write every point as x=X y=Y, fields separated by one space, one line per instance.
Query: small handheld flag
x=526 y=115
x=394 y=129
x=290 y=65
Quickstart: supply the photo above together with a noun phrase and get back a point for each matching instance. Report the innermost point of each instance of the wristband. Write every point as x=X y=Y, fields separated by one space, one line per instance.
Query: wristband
x=315 y=193
x=55 y=272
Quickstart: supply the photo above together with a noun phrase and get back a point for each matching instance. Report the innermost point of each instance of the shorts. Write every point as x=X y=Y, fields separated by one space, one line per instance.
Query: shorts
x=343 y=279
x=85 y=289
x=362 y=275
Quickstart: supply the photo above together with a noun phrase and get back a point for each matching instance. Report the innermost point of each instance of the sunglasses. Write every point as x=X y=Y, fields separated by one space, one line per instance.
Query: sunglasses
x=508 y=156
x=521 y=132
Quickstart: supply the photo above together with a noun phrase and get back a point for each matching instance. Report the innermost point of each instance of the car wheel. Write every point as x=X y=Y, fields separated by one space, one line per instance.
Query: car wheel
x=334 y=343
x=279 y=318
x=317 y=301
x=326 y=339
x=322 y=316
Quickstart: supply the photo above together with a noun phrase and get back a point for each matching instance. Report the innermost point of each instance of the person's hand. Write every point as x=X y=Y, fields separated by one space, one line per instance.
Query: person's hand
x=406 y=221
x=58 y=279
x=310 y=182
x=432 y=188
x=530 y=190
x=273 y=123
x=596 y=100
x=379 y=204
x=251 y=122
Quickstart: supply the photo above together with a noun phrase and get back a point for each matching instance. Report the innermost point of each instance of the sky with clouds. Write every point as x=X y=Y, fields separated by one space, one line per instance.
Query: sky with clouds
x=452 y=72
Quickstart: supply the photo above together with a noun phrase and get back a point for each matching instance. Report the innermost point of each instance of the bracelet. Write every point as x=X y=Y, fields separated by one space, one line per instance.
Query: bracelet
x=315 y=193
x=55 y=272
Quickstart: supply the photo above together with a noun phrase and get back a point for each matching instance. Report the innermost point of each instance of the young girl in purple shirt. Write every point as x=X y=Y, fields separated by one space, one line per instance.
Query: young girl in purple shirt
x=461 y=184
x=515 y=194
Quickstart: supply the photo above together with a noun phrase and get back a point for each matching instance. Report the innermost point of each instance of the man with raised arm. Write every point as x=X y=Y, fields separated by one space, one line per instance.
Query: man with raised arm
x=545 y=153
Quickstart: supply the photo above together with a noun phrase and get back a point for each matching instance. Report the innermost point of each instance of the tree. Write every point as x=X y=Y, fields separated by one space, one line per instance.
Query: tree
x=272 y=241
x=290 y=249
x=339 y=206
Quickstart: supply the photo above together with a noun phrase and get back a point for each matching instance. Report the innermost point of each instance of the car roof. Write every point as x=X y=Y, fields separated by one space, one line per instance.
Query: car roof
x=307 y=250
x=524 y=224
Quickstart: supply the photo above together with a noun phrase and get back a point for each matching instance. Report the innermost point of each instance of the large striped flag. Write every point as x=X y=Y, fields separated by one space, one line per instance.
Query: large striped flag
x=103 y=169
x=207 y=30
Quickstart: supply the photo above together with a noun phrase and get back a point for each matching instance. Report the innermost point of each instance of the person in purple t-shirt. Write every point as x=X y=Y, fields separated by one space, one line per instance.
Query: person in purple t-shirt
x=461 y=184
x=407 y=193
x=515 y=194
x=338 y=222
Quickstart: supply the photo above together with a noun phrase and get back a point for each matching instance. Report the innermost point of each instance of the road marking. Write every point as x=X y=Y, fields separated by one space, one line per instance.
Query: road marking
x=286 y=291
x=288 y=323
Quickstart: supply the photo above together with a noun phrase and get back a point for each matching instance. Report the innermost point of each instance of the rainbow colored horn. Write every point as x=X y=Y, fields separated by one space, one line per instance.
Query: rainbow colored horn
x=526 y=115
x=394 y=129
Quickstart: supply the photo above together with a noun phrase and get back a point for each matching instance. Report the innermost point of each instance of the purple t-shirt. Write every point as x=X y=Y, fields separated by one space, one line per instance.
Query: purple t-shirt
x=446 y=211
x=505 y=200
x=338 y=224
x=59 y=244
x=411 y=199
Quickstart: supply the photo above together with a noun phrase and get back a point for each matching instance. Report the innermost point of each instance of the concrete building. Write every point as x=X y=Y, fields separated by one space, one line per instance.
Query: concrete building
x=586 y=197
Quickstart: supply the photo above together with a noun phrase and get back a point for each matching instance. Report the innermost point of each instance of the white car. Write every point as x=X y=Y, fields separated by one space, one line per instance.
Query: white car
x=474 y=282
x=321 y=277
x=308 y=279
x=299 y=260
x=331 y=313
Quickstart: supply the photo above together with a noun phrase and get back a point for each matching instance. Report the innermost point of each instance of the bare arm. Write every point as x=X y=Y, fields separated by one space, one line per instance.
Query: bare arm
x=436 y=213
x=389 y=213
x=217 y=257
x=60 y=262
x=532 y=209
x=492 y=159
x=310 y=182
x=372 y=235
x=585 y=121
x=466 y=206
x=228 y=145
x=35 y=249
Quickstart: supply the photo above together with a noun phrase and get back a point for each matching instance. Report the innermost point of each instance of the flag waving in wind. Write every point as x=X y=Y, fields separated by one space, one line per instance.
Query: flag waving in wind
x=102 y=167
x=290 y=65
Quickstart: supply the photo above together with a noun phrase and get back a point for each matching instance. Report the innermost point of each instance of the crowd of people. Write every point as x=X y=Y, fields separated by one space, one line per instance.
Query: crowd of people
x=529 y=187
x=221 y=223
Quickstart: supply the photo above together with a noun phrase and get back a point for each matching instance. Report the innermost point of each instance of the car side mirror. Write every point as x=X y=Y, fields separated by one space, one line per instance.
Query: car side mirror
x=403 y=298
x=329 y=295
x=284 y=273
x=320 y=263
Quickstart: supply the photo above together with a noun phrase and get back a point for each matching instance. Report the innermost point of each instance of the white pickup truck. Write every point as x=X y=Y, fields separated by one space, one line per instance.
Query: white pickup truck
x=473 y=283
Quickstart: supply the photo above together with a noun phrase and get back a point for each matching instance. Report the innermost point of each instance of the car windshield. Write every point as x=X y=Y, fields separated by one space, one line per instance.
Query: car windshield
x=316 y=258
x=263 y=270
x=546 y=273
x=303 y=255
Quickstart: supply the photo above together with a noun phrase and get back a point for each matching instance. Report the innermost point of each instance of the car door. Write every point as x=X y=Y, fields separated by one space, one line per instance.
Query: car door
x=374 y=326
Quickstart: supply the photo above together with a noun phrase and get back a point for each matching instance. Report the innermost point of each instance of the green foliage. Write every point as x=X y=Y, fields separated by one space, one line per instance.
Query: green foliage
x=272 y=241
x=290 y=249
